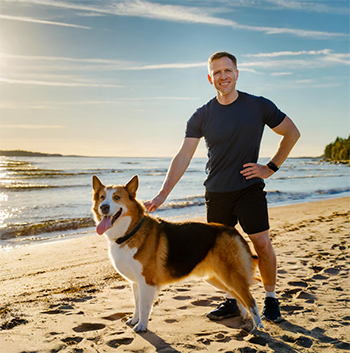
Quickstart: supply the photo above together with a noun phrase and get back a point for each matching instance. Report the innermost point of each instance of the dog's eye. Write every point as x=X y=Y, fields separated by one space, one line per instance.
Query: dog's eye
x=116 y=198
x=102 y=197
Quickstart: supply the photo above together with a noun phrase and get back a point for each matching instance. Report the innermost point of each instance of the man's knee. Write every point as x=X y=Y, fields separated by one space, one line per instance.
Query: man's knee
x=262 y=243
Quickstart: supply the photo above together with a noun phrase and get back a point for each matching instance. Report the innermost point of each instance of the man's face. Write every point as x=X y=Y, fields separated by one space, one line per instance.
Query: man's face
x=223 y=75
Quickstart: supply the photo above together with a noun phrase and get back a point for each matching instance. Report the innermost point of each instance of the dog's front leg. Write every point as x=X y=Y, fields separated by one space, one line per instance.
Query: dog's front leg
x=146 y=297
x=135 y=319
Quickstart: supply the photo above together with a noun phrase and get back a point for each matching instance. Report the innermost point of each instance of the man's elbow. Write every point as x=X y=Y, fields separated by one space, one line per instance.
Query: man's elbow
x=296 y=134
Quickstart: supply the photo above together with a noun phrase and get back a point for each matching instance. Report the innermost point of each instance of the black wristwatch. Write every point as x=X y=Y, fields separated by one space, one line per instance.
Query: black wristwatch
x=272 y=166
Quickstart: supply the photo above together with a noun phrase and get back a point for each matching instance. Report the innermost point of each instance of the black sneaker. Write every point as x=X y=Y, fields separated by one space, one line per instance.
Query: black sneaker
x=228 y=308
x=271 y=310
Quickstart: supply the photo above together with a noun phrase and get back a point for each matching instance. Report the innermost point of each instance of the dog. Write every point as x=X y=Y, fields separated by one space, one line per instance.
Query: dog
x=151 y=252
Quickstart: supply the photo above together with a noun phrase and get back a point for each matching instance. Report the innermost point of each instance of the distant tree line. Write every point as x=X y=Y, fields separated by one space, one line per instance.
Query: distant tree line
x=20 y=153
x=339 y=150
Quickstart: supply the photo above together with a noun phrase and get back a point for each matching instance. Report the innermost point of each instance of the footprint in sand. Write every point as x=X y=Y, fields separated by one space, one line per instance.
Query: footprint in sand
x=116 y=316
x=170 y=321
x=316 y=269
x=72 y=340
x=202 y=302
x=16 y=321
x=52 y=312
x=290 y=292
x=86 y=326
x=119 y=341
x=305 y=295
x=332 y=271
x=182 y=290
x=211 y=337
x=318 y=276
x=215 y=298
x=60 y=309
x=182 y=297
x=291 y=308
x=298 y=284
x=300 y=340
x=183 y=307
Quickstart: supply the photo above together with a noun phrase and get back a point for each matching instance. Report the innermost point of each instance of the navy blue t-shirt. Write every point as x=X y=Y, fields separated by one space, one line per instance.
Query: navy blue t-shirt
x=232 y=134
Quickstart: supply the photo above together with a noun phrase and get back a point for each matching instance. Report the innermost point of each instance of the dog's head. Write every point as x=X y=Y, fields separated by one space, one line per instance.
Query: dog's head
x=110 y=203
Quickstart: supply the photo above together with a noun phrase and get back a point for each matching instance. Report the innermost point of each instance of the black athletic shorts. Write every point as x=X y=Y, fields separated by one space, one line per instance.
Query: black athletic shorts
x=248 y=206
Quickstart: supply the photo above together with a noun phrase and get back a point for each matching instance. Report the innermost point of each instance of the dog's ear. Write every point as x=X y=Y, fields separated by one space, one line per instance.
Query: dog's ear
x=96 y=183
x=132 y=186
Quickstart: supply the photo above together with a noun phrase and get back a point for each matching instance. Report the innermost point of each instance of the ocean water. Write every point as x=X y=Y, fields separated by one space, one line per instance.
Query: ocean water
x=49 y=198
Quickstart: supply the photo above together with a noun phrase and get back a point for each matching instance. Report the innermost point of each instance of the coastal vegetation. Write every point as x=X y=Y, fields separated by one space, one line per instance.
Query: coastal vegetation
x=19 y=153
x=339 y=150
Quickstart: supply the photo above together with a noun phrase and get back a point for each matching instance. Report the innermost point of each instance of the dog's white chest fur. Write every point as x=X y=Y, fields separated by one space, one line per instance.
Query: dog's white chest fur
x=124 y=262
x=122 y=256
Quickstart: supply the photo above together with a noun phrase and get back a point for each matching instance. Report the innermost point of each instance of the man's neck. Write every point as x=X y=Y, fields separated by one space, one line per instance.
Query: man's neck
x=227 y=99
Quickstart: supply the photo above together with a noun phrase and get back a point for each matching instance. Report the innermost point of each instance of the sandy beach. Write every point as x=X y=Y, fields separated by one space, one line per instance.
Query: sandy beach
x=66 y=297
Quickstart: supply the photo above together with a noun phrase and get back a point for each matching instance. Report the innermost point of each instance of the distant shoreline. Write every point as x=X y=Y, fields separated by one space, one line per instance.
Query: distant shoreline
x=20 y=153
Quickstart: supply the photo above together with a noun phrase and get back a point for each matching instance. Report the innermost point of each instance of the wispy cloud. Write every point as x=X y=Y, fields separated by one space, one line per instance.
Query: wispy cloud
x=298 y=59
x=56 y=84
x=289 y=53
x=65 y=104
x=61 y=58
x=309 y=6
x=34 y=70
x=177 y=13
x=33 y=20
x=167 y=66
x=281 y=73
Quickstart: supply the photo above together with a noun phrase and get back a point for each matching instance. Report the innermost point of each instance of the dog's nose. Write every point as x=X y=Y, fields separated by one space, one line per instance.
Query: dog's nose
x=105 y=209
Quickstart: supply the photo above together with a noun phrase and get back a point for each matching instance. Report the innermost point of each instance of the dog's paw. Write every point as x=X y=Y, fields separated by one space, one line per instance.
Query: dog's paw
x=132 y=322
x=256 y=328
x=140 y=328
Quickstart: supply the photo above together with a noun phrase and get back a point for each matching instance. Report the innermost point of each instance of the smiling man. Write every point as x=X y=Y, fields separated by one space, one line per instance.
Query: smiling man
x=232 y=125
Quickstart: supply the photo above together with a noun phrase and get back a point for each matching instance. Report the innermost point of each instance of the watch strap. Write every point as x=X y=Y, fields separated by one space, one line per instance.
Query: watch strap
x=272 y=166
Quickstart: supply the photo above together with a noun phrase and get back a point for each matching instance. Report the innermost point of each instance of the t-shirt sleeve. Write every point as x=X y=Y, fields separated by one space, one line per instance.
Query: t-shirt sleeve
x=272 y=116
x=193 y=128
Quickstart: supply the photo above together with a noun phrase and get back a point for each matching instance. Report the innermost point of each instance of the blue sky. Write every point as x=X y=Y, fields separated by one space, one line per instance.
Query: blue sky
x=121 y=78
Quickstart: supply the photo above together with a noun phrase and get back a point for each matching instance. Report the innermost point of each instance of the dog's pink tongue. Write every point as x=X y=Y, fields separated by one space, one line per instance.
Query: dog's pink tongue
x=105 y=224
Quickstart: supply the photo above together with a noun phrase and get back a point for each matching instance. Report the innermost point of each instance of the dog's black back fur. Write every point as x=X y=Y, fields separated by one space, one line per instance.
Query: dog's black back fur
x=188 y=244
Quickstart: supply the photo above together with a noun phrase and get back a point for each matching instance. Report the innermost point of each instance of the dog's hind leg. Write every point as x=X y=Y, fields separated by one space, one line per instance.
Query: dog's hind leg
x=245 y=297
x=135 y=319
x=146 y=297
x=254 y=312
x=243 y=310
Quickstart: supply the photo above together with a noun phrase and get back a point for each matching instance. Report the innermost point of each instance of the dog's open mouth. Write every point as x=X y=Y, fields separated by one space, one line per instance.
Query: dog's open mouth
x=107 y=222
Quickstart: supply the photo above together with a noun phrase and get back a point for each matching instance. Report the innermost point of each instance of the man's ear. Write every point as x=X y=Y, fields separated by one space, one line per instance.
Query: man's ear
x=210 y=79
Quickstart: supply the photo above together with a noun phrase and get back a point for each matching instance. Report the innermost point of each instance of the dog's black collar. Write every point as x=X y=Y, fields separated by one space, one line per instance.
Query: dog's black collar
x=129 y=235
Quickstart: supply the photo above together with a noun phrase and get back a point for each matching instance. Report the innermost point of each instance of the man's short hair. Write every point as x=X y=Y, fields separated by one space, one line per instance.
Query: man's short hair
x=222 y=54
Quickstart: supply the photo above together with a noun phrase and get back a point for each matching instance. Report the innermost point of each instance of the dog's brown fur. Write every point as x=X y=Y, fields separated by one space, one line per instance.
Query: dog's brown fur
x=169 y=251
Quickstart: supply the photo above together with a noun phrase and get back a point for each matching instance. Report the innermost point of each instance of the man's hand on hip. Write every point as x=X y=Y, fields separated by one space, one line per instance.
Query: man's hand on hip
x=254 y=170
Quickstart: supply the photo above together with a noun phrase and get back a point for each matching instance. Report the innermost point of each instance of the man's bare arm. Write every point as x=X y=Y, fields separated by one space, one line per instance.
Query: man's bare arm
x=176 y=170
x=290 y=135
